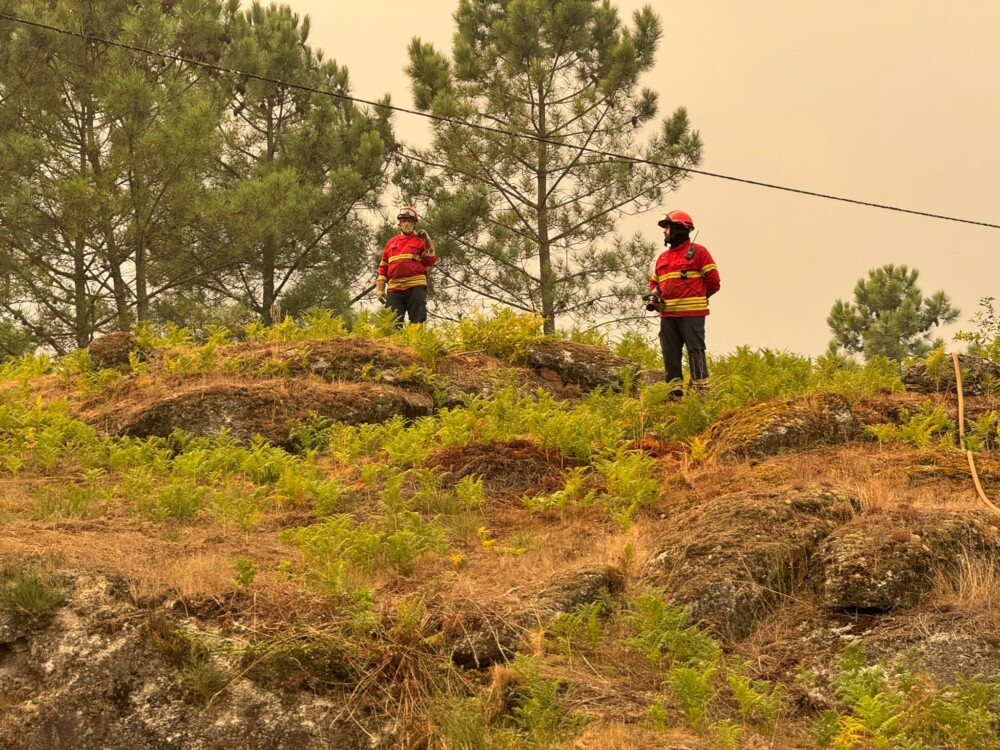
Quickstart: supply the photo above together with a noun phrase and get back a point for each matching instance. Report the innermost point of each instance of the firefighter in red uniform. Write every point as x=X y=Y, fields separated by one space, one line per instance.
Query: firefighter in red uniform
x=682 y=279
x=403 y=269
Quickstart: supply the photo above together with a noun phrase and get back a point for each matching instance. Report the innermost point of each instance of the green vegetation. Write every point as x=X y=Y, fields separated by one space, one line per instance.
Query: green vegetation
x=371 y=508
x=889 y=317
x=985 y=340
x=272 y=185
x=30 y=592
x=582 y=65
x=897 y=705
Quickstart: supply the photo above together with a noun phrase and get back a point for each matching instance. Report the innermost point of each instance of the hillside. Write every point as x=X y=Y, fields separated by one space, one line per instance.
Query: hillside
x=480 y=538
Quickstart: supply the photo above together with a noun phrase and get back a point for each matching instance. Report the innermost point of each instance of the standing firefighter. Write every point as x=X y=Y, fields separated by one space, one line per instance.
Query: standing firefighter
x=683 y=277
x=404 y=264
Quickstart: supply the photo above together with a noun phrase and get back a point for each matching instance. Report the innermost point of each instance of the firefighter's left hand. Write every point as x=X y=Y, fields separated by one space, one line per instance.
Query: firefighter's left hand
x=422 y=234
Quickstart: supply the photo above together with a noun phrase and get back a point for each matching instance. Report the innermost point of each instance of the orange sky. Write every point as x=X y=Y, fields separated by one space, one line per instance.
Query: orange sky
x=889 y=101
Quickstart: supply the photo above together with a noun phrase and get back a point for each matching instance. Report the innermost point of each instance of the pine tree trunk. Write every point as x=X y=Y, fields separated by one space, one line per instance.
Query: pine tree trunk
x=544 y=257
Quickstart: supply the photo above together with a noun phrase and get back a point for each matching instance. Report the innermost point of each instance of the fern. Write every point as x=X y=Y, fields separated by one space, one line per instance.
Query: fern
x=759 y=700
x=664 y=636
x=923 y=429
x=897 y=706
x=506 y=335
x=581 y=627
x=692 y=687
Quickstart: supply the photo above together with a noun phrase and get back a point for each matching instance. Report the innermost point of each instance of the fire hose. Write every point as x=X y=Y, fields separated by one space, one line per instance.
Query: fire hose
x=961 y=437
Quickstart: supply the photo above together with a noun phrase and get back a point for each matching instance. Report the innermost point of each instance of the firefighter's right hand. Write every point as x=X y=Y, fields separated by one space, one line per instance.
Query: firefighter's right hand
x=380 y=295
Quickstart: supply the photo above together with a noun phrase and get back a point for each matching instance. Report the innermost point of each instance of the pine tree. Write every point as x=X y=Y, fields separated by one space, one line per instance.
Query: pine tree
x=298 y=170
x=889 y=317
x=106 y=147
x=530 y=221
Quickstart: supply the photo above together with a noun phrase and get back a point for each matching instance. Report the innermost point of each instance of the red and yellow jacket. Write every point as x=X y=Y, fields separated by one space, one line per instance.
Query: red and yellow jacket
x=405 y=261
x=685 y=284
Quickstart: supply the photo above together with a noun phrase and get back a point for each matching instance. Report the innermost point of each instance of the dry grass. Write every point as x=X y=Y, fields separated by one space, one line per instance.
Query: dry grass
x=968 y=584
x=615 y=736
x=195 y=561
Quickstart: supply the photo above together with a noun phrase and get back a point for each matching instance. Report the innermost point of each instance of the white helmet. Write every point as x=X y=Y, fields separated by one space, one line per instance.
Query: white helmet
x=408 y=212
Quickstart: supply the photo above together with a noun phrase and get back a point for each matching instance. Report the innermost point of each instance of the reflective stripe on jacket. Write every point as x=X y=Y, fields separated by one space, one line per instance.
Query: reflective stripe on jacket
x=685 y=284
x=405 y=261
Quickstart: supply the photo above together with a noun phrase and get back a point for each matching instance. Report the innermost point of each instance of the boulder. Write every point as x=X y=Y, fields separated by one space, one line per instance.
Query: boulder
x=112 y=351
x=774 y=427
x=731 y=559
x=466 y=374
x=334 y=360
x=266 y=408
x=980 y=377
x=586 y=366
x=884 y=561
x=95 y=680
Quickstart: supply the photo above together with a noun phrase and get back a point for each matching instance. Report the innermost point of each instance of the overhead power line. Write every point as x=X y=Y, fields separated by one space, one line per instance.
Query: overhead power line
x=487 y=128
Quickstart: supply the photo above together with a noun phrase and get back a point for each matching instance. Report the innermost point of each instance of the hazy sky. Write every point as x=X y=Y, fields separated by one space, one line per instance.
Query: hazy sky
x=889 y=101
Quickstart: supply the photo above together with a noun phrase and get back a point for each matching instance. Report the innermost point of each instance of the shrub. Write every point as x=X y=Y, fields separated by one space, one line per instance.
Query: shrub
x=663 y=635
x=583 y=627
x=506 y=335
x=540 y=714
x=30 y=593
x=928 y=426
x=985 y=341
x=641 y=350
x=693 y=689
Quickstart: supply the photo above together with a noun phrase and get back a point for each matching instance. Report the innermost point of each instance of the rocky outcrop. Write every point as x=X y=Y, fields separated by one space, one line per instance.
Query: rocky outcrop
x=586 y=366
x=480 y=641
x=334 y=360
x=465 y=374
x=980 y=376
x=93 y=680
x=731 y=559
x=265 y=408
x=112 y=351
x=884 y=561
x=778 y=426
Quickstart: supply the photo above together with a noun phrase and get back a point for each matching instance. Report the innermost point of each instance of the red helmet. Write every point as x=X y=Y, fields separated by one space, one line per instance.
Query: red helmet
x=676 y=217
x=408 y=212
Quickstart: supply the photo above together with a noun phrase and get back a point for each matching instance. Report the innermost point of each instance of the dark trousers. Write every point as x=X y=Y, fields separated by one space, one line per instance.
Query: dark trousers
x=411 y=302
x=676 y=333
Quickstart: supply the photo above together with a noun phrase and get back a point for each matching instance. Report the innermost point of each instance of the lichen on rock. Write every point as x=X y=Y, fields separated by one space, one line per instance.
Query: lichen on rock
x=731 y=559
x=798 y=423
x=887 y=561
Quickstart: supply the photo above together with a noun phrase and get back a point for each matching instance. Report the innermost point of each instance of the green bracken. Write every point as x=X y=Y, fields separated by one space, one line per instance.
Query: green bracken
x=368 y=506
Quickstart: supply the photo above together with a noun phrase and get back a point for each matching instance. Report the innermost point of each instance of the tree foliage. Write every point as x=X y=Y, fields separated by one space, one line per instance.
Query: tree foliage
x=105 y=147
x=136 y=186
x=889 y=316
x=297 y=171
x=530 y=221
x=985 y=340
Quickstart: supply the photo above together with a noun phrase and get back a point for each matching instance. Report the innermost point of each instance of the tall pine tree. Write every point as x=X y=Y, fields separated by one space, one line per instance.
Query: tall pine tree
x=298 y=171
x=530 y=221
x=107 y=148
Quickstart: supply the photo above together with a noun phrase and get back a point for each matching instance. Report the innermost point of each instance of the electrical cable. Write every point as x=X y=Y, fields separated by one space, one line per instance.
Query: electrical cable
x=498 y=131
